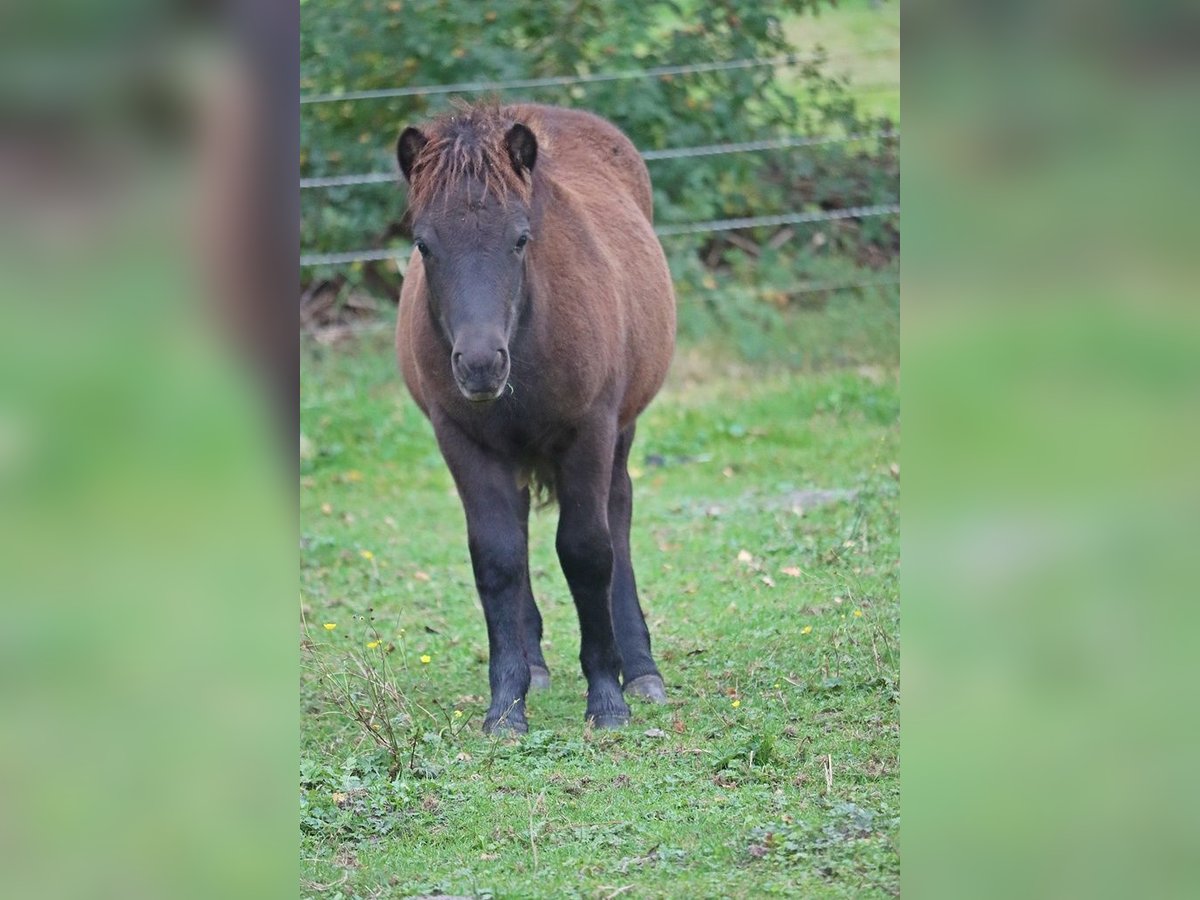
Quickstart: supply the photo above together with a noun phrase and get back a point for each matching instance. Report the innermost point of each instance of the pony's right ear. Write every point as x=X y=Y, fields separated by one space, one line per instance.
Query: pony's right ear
x=412 y=140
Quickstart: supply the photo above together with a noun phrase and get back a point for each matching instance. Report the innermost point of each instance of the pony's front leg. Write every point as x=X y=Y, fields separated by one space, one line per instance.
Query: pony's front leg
x=585 y=550
x=498 y=546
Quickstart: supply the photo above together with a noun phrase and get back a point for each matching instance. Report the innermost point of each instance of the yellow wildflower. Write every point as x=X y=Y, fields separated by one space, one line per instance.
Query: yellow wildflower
x=426 y=659
x=371 y=645
x=806 y=629
x=737 y=703
x=366 y=554
x=329 y=626
x=857 y=614
x=458 y=714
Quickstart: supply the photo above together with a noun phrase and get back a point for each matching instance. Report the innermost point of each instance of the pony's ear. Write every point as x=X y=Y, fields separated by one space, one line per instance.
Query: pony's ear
x=522 y=147
x=412 y=140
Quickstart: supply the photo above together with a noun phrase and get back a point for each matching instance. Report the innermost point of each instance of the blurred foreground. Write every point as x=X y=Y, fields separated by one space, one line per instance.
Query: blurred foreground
x=147 y=534
x=1052 y=382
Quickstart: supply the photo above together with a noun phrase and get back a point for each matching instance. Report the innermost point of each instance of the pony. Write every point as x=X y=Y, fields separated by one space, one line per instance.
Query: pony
x=536 y=322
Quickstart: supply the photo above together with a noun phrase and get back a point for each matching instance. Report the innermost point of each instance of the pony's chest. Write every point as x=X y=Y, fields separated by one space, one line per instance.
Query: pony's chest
x=519 y=430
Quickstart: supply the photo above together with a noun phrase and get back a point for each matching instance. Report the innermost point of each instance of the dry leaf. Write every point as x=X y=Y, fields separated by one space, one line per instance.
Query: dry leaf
x=745 y=557
x=794 y=571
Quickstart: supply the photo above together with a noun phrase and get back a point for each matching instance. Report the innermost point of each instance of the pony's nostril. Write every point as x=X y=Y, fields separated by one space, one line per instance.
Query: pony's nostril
x=456 y=358
x=503 y=354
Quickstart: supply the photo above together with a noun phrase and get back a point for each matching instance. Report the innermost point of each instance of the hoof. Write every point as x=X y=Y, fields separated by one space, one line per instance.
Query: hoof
x=648 y=687
x=505 y=725
x=608 y=720
x=539 y=677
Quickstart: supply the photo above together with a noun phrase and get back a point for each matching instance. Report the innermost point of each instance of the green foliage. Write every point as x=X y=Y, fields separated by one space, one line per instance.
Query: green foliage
x=757 y=750
x=368 y=44
x=847 y=844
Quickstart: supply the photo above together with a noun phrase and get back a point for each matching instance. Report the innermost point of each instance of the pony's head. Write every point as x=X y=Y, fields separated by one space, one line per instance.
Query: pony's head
x=470 y=179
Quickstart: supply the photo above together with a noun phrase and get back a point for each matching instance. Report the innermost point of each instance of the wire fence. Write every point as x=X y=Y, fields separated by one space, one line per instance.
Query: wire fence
x=857 y=212
x=310 y=260
x=834 y=286
x=854 y=212
x=648 y=155
x=476 y=87
x=364 y=329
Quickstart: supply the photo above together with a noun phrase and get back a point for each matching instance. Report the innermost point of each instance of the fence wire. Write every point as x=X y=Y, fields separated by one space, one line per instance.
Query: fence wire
x=855 y=212
x=764 y=144
x=832 y=287
x=648 y=155
x=474 y=87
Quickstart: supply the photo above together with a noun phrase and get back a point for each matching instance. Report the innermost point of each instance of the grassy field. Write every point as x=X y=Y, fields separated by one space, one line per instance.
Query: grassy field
x=766 y=544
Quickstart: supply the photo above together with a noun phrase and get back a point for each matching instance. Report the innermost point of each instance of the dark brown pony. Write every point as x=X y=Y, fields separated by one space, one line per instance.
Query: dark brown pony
x=537 y=321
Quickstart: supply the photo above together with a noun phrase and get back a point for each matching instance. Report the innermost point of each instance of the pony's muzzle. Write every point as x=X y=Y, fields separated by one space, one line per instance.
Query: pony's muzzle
x=481 y=372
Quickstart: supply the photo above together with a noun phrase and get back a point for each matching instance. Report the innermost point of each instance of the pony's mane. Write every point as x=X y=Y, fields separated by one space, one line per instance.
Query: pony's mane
x=467 y=144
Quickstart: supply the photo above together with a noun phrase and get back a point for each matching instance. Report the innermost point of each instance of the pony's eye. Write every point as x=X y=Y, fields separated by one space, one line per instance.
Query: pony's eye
x=522 y=241
x=422 y=247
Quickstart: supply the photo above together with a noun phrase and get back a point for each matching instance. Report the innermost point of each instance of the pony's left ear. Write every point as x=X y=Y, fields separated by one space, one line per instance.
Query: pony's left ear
x=410 y=144
x=522 y=147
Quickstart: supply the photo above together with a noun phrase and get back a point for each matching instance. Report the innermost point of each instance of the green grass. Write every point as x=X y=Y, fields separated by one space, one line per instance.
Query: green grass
x=793 y=791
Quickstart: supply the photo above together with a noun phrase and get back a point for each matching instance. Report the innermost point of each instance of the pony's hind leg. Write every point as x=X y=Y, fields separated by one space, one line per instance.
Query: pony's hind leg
x=531 y=618
x=585 y=549
x=641 y=675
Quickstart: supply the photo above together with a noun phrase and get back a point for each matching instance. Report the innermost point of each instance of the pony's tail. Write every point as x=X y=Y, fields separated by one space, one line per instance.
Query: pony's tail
x=539 y=478
x=542 y=486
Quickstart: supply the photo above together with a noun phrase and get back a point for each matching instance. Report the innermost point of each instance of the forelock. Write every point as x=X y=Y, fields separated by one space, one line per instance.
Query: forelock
x=467 y=147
